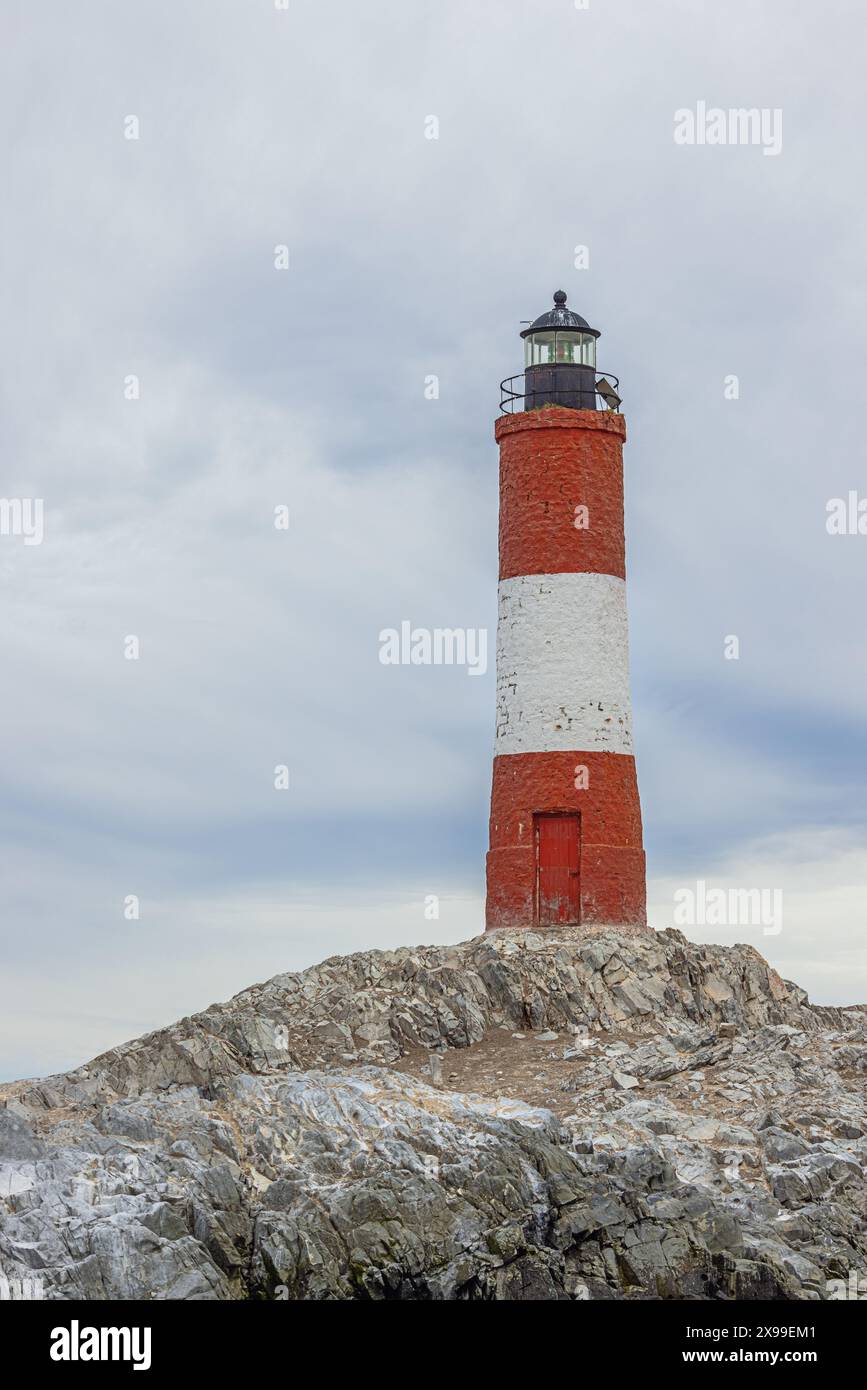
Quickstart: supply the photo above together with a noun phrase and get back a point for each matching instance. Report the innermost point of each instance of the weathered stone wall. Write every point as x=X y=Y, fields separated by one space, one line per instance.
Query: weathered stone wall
x=563 y=669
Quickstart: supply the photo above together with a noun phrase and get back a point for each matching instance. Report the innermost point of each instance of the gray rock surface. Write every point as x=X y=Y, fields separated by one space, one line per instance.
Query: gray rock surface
x=701 y=1134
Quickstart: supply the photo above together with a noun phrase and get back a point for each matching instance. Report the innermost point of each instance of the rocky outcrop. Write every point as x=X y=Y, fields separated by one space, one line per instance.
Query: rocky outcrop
x=373 y=1006
x=621 y=1116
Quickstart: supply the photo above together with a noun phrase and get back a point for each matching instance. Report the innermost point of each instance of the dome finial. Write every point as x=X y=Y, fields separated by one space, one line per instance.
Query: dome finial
x=559 y=296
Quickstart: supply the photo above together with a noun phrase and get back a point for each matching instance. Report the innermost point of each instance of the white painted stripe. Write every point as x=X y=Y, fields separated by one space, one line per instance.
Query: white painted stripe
x=563 y=664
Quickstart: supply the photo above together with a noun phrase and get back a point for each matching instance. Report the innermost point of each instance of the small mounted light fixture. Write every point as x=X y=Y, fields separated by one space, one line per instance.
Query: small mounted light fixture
x=608 y=394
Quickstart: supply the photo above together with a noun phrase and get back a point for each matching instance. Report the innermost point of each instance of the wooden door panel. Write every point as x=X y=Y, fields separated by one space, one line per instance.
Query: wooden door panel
x=558 y=869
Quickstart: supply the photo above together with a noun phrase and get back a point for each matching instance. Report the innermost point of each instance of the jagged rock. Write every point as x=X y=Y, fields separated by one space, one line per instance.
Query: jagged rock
x=289 y=1144
x=387 y=1001
x=17 y=1140
x=780 y=1146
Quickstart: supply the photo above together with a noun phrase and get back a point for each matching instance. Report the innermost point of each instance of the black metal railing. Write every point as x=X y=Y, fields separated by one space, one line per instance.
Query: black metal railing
x=514 y=397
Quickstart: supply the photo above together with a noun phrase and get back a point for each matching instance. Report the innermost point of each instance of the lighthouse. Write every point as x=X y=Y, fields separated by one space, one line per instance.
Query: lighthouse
x=565 y=830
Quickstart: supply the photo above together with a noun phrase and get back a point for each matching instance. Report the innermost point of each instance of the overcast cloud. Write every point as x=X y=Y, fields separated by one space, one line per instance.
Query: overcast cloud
x=408 y=257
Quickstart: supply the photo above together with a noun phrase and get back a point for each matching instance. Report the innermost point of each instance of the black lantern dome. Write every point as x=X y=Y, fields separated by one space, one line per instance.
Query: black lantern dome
x=560 y=318
x=560 y=359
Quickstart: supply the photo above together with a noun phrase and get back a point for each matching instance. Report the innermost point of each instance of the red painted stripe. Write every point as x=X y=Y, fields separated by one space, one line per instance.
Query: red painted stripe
x=612 y=872
x=552 y=461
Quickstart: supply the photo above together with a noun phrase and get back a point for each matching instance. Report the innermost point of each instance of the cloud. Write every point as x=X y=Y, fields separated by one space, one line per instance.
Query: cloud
x=821 y=875
x=408 y=257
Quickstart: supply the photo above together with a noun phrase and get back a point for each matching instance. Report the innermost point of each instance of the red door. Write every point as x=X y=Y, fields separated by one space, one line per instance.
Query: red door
x=558 y=865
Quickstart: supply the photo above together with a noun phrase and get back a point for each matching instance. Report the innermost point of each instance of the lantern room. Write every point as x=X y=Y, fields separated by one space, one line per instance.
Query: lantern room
x=560 y=359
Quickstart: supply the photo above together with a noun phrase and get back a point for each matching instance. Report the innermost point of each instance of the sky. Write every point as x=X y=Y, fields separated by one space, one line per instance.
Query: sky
x=434 y=171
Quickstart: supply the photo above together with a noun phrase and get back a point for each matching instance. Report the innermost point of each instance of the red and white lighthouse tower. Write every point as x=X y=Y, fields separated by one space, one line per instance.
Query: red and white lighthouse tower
x=565 y=834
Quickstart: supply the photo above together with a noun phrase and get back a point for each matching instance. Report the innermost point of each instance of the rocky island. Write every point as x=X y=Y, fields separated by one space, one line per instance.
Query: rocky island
x=565 y=1115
